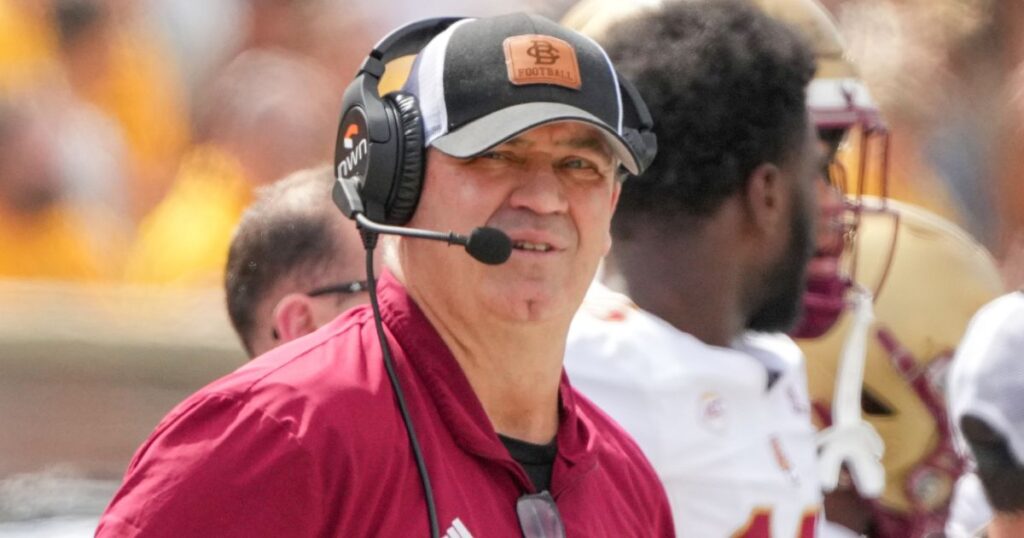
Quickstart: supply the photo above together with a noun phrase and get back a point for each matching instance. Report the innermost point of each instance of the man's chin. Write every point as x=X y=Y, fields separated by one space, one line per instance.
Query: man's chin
x=782 y=311
x=779 y=320
x=532 y=300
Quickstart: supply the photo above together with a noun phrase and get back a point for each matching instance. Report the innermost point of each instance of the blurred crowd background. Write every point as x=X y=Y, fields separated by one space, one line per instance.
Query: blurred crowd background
x=134 y=132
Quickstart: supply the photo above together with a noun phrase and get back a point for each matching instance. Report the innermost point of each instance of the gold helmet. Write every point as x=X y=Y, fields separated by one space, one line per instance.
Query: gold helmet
x=928 y=287
x=841 y=107
x=926 y=276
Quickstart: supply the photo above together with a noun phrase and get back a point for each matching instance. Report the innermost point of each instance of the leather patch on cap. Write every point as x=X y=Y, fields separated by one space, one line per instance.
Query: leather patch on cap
x=541 y=59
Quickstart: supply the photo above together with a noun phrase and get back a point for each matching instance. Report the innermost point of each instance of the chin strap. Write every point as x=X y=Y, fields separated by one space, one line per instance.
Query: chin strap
x=850 y=439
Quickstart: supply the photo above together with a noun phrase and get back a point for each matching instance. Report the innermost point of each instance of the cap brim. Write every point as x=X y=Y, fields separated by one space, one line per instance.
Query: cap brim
x=498 y=127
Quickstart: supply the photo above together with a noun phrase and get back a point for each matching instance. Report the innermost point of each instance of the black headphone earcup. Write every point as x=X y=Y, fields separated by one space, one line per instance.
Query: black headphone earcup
x=409 y=174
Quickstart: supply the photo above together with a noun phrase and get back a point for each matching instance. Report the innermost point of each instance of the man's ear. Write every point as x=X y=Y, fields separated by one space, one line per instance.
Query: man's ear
x=292 y=317
x=616 y=191
x=764 y=197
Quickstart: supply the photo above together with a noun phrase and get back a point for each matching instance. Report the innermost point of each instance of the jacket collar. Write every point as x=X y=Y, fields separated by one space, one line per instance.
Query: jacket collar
x=457 y=404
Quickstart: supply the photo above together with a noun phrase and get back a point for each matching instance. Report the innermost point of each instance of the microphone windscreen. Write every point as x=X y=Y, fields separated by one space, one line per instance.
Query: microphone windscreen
x=489 y=245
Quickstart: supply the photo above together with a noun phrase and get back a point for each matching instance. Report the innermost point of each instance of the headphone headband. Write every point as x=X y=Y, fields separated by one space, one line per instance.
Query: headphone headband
x=638 y=125
x=411 y=38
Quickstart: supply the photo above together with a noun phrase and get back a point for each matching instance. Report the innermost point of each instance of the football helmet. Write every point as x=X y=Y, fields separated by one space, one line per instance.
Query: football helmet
x=878 y=262
x=930 y=277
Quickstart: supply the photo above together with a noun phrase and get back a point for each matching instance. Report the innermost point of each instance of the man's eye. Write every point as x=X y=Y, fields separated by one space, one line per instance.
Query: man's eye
x=578 y=164
x=580 y=167
x=495 y=156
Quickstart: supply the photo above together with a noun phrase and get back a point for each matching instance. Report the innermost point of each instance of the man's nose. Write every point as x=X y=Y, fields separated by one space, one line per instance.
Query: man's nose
x=540 y=190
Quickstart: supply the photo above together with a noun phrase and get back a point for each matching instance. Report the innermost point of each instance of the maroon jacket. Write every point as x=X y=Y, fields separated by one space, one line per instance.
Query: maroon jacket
x=307 y=441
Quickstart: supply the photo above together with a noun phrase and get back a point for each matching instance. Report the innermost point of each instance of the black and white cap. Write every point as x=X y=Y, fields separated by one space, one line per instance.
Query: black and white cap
x=482 y=82
x=987 y=376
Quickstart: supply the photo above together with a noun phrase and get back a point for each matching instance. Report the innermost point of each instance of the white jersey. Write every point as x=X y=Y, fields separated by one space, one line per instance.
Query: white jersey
x=727 y=429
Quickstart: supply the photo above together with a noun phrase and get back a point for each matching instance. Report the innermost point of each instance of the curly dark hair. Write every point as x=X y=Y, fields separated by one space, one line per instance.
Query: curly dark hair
x=726 y=86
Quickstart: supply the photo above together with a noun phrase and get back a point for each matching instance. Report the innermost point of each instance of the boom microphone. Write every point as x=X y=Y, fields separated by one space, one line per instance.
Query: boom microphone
x=487 y=245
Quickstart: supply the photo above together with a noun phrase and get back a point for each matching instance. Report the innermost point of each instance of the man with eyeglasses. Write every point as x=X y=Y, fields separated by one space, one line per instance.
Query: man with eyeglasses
x=294 y=263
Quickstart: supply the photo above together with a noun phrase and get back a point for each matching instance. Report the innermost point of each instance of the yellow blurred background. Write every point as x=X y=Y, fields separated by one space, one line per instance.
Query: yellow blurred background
x=133 y=132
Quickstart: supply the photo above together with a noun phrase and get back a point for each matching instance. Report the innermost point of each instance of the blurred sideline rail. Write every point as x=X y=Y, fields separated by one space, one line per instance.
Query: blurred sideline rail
x=87 y=371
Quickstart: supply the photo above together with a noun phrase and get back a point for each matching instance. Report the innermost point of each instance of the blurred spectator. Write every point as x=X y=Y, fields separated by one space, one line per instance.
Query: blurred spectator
x=987 y=402
x=340 y=28
x=269 y=113
x=85 y=149
x=279 y=23
x=909 y=82
x=295 y=262
x=201 y=36
x=943 y=72
x=111 y=61
x=404 y=11
x=40 y=235
x=93 y=160
x=342 y=34
x=205 y=36
x=991 y=66
x=26 y=40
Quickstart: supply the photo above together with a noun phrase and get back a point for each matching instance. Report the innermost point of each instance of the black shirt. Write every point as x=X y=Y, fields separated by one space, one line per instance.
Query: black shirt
x=537 y=460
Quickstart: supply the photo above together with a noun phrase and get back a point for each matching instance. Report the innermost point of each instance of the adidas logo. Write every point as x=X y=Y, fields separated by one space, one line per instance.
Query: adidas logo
x=458 y=530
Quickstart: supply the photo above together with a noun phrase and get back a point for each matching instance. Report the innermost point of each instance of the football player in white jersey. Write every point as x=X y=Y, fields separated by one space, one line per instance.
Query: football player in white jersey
x=709 y=254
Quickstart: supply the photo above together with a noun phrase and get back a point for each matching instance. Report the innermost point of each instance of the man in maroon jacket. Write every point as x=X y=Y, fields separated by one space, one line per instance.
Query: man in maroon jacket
x=525 y=125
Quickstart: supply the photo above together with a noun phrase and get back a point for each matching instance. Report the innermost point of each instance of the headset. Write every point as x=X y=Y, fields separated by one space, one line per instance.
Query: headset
x=379 y=163
x=380 y=139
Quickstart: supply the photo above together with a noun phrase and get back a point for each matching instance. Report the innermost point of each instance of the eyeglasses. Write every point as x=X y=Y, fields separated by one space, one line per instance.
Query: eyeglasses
x=354 y=286
x=539 y=517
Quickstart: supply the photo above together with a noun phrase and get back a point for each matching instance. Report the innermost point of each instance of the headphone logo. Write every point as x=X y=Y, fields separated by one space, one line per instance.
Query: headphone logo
x=353 y=146
x=543 y=53
x=352 y=130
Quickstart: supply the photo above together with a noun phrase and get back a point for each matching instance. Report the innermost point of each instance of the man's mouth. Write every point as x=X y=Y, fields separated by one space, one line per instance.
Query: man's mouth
x=532 y=247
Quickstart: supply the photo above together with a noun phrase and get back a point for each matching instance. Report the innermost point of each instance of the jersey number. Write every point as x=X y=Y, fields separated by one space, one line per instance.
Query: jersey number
x=760 y=525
